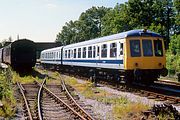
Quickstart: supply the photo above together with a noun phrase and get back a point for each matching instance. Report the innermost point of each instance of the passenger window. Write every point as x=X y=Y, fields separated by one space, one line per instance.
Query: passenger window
x=104 y=51
x=84 y=52
x=135 y=48
x=158 y=48
x=113 y=50
x=121 y=49
x=69 y=53
x=147 y=47
x=65 y=53
x=74 y=53
x=59 y=54
x=98 y=51
x=79 y=52
x=94 y=51
x=90 y=52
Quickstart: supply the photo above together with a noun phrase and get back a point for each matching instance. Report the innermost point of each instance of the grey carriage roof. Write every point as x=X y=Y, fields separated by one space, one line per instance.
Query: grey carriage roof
x=131 y=33
x=52 y=49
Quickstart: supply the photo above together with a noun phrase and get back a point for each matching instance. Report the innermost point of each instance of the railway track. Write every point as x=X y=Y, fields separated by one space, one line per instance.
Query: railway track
x=168 y=82
x=170 y=96
x=50 y=102
x=158 y=94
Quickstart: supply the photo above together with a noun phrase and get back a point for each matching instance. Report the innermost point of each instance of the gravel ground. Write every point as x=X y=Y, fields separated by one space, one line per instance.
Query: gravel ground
x=103 y=111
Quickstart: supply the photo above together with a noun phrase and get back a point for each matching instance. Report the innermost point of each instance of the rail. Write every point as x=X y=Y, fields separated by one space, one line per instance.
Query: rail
x=39 y=100
x=61 y=101
x=25 y=100
x=78 y=108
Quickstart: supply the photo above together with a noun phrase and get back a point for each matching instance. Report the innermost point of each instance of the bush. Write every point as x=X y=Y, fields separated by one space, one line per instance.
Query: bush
x=6 y=93
x=173 y=55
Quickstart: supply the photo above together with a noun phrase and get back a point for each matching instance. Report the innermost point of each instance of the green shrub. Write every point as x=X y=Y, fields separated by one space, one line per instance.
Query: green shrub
x=6 y=93
x=173 y=55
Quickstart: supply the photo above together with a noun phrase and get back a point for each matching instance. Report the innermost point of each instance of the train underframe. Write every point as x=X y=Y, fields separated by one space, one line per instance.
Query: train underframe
x=128 y=76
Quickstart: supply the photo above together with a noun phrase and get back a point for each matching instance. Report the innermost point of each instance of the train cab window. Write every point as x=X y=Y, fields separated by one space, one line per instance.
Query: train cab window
x=79 y=52
x=158 y=49
x=113 y=49
x=69 y=52
x=74 y=53
x=147 y=47
x=84 y=52
x=104 y=50
x=90 y=52
x=121 y=49
x=97 y=50
x=94 y=51
x=135 y=48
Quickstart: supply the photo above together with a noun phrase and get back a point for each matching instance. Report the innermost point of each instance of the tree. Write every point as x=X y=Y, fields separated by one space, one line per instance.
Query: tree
x=173 y=55
x=177 y=16
x=116 y=20
x=87 y=27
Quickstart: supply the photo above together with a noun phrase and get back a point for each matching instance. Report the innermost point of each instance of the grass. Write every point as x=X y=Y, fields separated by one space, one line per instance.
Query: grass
x=128 y=111
x=24 y=79
x=6 y=94
x=122 y=108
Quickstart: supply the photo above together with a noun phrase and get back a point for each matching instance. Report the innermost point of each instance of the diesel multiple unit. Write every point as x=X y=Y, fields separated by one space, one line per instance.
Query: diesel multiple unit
x=132 y=54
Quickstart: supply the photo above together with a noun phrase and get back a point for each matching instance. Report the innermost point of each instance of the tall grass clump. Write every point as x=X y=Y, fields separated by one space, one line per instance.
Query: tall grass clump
x=6 y=93
x=25 y=79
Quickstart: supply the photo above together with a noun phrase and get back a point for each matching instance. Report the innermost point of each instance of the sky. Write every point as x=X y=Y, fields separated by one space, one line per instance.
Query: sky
x=41 y=20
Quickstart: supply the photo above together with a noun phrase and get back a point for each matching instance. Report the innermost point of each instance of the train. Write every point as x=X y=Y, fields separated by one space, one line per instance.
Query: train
x=135 y=55
x=20 y=54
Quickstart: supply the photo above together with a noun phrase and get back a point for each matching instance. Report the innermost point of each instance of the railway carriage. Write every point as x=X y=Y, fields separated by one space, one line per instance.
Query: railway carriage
x=135 y=54
x=20 y=54
x=51 y=57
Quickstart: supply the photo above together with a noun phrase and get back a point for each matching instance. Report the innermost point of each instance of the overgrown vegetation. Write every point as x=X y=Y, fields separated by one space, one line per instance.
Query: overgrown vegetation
x=173 y=55
x=128 y=111
x=24 y=79
x=122 y=108
x=6 y=93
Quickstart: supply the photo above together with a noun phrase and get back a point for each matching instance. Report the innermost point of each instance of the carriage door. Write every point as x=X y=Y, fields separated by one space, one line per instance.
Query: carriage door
x=97 y=55
x=121 y=54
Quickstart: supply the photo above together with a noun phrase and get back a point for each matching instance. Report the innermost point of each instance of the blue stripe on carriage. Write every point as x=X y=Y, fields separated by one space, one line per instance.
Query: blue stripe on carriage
x=91 y=61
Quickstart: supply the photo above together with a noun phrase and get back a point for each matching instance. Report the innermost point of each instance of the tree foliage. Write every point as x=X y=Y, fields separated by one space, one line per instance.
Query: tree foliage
x=161 y=16
x=173 y=55
x=87 y=27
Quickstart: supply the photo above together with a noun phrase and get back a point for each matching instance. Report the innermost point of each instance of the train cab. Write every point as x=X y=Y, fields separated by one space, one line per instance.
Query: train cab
x=146 y=55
